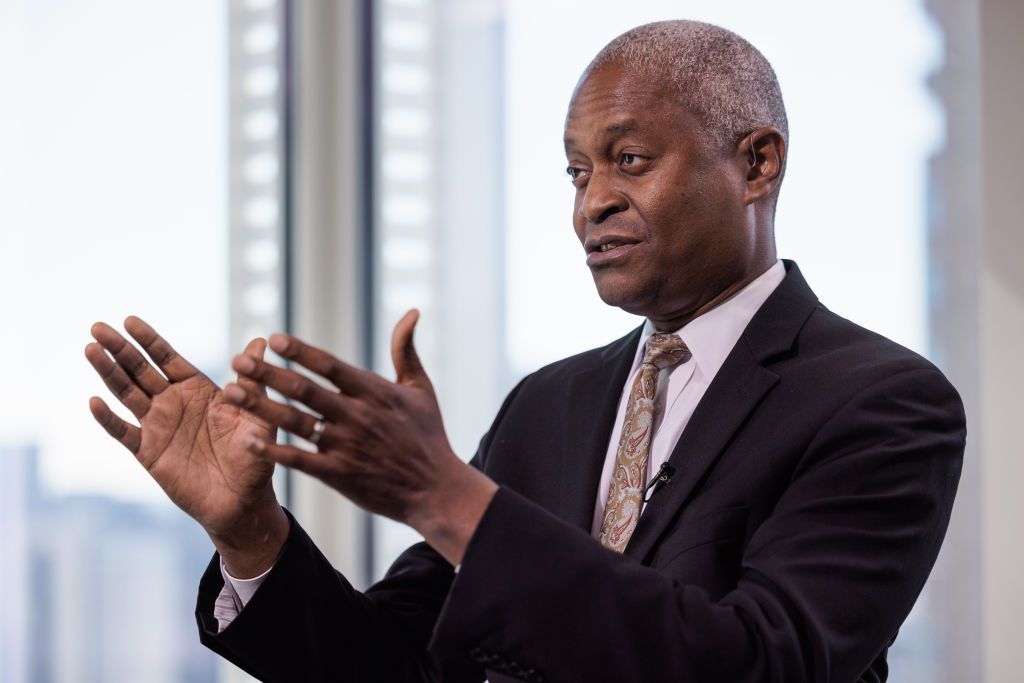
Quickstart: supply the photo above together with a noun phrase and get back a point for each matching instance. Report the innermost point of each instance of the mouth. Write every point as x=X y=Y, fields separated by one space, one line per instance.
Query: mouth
x=607 y=250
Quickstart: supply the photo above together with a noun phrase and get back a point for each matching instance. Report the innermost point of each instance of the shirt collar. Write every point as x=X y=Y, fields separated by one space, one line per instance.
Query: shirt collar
x=711 y=336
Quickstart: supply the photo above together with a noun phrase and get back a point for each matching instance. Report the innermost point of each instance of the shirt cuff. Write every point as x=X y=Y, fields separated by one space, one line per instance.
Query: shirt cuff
x=243 y=588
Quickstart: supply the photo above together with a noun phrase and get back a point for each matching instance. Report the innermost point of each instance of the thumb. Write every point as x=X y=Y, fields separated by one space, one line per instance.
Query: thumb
x=408 y=368
x=254 y=349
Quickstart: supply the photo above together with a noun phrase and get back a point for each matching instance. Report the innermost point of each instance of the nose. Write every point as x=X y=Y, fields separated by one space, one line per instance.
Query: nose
x=600 y=199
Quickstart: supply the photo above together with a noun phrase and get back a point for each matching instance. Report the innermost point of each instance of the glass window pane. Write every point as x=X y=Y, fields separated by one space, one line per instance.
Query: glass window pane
x=140 y=176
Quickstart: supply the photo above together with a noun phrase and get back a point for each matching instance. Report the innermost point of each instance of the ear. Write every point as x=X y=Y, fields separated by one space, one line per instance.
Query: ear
x=763 y=155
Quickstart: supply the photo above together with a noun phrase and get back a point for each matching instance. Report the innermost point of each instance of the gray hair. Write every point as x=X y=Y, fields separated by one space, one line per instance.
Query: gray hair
x=721 y=78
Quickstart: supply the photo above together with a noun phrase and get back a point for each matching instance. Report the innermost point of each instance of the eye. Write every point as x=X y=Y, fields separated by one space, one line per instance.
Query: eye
x=575 y=173
x=633 y=163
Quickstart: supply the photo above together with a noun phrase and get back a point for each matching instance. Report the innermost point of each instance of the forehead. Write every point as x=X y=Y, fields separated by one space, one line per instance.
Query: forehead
x=612 y=100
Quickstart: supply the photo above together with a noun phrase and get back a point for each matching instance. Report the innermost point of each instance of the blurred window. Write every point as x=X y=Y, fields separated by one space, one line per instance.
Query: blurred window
x=141 y=175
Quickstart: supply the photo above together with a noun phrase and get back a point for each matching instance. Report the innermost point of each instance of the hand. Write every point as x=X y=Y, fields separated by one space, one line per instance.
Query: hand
x=384 y=446
x=191 y=441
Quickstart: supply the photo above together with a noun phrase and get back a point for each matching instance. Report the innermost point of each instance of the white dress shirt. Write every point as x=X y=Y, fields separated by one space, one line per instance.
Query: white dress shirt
x=235 y=594
x=710 y=339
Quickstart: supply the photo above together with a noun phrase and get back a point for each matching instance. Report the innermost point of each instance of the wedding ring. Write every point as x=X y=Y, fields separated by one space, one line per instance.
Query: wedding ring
x=318 y=431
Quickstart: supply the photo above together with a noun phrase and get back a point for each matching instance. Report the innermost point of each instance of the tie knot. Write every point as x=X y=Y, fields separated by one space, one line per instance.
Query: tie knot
x=665 y=350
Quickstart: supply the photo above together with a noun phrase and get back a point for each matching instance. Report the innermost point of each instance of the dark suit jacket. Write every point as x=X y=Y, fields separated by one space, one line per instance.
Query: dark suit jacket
x=813 y=487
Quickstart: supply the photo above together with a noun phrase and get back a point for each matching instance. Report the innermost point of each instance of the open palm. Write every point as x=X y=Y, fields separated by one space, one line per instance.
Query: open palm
x=190 y=440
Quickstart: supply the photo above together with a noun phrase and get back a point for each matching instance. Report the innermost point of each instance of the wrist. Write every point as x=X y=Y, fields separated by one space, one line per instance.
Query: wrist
x=252 y=546
x=449 y=518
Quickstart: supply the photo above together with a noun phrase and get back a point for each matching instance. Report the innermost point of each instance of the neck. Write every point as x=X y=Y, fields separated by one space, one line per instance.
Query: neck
x=676 y=321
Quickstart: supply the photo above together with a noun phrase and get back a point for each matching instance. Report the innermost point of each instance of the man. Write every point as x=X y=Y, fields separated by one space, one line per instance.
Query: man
x=748 y=488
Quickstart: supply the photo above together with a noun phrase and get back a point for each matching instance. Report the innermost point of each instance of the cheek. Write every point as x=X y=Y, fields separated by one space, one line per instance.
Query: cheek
x=579 y=224
x=670 y=218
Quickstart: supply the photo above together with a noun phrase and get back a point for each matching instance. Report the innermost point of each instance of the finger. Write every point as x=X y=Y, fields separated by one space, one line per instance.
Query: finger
x=128 y=435
x=118 y=381
x=408 y=368
x=255 y=349
x=350 y=379
x=315 y=464
x=291 y=384
x=129 y=358
x=166 y=358
x=284 y=416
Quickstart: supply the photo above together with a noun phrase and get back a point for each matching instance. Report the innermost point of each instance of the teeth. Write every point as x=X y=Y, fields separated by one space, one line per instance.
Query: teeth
x=609 y=245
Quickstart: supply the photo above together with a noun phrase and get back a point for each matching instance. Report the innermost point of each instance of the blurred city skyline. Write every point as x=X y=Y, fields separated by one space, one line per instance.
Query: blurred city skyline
x=94 y=589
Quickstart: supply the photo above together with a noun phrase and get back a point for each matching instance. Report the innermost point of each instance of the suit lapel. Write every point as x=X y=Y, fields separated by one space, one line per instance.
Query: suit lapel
x=736 y=390
x=740 y=385
x=593 y=394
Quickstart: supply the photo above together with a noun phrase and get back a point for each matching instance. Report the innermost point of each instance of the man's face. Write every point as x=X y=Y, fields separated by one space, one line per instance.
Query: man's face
x=659 y=208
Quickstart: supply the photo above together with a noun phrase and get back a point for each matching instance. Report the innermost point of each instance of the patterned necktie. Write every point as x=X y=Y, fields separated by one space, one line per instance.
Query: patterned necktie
x=625 y=495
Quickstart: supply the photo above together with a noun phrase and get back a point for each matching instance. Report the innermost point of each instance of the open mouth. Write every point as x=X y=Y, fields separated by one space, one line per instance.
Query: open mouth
x=608 y=246
x=606 y=252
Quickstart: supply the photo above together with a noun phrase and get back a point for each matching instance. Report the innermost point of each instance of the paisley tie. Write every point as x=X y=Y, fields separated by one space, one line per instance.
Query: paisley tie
x=625 y=495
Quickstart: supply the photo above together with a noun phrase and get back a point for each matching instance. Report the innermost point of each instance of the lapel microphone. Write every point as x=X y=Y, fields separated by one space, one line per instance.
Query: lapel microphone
x=663 y=476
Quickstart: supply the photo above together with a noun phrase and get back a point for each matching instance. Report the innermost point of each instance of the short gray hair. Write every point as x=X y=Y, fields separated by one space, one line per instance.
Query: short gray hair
x=721 y=78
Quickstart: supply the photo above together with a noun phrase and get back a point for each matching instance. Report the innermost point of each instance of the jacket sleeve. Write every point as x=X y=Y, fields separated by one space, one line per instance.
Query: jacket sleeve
x=308 y=623
x=825 y=583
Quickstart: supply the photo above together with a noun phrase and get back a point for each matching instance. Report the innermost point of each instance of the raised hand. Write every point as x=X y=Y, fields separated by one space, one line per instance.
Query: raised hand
x=383 y=444
x=192 y=441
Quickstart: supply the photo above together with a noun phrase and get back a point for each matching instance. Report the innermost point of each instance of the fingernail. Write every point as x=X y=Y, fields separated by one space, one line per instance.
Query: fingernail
x=254 y=444
x=278 y=342
x=234 y=393
x=244 y=364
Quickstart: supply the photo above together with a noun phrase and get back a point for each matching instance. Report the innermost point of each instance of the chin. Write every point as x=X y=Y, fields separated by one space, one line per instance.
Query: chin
x=627 y=296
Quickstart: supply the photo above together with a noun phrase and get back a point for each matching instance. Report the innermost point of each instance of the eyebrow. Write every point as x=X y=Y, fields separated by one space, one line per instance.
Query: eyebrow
x=622 y=126
x=618 y=127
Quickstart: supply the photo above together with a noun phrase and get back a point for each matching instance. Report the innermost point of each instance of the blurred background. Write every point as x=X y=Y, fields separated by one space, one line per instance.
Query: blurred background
x=230 y=168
